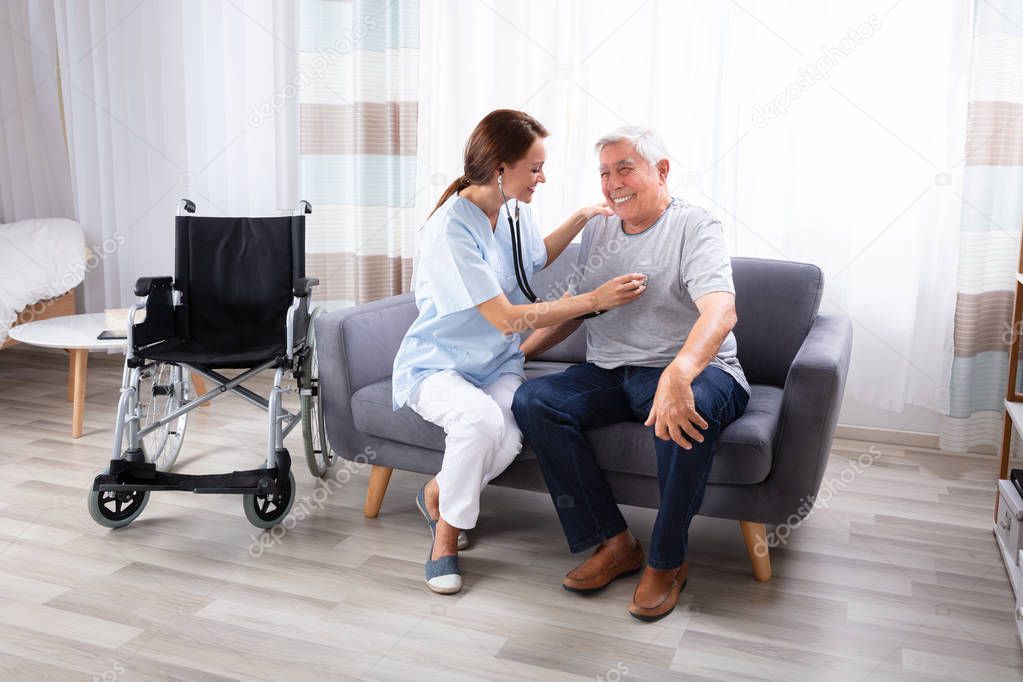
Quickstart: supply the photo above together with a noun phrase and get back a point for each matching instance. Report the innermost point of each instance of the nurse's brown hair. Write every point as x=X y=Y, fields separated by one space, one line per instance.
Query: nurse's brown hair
x=503 y=136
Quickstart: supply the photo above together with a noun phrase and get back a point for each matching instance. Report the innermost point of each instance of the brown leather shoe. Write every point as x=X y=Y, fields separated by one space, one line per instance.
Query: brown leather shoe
x=602 y=568
x=655 y=597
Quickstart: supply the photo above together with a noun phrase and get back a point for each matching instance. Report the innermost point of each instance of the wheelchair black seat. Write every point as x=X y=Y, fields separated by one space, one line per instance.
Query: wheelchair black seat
x=192 y=353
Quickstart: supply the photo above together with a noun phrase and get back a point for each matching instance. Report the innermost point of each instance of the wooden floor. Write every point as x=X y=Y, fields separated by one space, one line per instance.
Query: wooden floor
x=898 y=578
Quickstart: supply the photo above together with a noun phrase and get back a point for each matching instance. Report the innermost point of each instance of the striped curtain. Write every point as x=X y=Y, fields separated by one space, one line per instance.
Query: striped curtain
x=990 y=228
x=357 y=88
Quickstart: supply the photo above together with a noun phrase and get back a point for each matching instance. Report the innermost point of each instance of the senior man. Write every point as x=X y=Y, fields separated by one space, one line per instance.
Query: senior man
x=668 y=359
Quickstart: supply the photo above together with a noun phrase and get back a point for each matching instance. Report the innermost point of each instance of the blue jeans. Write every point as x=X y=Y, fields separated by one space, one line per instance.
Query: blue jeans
x=554 y=412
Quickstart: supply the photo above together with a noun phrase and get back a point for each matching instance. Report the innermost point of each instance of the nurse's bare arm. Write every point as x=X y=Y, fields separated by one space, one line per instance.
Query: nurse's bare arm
x=544 y=339
x=560 y=238
x=511 y=318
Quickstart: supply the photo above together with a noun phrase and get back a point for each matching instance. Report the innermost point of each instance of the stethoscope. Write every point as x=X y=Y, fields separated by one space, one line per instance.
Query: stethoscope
x=516 y=240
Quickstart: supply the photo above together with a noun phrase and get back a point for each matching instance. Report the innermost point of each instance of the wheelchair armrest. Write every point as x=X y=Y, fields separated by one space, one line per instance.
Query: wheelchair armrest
x=304 y=286
x=160 y=315
x=144 y=285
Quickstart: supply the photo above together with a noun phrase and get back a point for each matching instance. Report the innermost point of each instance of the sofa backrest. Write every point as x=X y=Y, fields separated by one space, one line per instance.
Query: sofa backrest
x=776 y=303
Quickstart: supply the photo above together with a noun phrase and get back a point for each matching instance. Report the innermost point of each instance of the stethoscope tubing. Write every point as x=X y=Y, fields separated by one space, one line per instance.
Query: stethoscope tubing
x=520 y=269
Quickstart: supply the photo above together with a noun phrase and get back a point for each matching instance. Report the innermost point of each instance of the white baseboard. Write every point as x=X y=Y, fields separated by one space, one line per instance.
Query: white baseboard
x=910 y=439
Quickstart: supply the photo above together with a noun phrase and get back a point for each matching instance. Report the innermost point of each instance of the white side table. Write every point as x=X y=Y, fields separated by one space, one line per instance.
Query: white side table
x=77 y=335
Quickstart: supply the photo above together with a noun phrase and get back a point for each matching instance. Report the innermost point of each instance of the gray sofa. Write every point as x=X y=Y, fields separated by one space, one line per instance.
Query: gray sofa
x=767 y=465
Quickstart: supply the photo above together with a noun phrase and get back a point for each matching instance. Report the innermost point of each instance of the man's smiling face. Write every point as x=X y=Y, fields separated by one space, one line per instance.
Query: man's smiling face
x=633 y=188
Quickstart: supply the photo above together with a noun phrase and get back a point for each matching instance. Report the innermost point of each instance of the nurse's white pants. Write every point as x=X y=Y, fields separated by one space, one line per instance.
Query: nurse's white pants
x=482 y=437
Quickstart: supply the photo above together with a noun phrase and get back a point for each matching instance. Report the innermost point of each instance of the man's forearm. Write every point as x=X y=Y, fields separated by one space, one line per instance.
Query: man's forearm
x=704 y=341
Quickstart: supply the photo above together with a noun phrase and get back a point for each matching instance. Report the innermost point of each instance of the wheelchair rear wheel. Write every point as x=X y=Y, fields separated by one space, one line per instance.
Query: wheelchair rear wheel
x=267 y=511
x=116 y=510
x=163 y=388
x=314 y=435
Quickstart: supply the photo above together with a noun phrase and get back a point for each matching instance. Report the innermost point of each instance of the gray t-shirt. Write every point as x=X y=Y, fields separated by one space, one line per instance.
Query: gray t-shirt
x=684 y=257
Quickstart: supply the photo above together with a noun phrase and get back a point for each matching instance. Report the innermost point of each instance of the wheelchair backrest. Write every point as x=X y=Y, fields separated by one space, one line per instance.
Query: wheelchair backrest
x=236 y=277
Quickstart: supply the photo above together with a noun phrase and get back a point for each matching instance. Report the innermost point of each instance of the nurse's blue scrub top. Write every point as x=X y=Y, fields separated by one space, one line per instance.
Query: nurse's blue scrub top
x=462 y=263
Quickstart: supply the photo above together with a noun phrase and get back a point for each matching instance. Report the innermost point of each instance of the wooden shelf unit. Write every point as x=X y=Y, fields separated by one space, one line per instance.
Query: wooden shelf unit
x=1013 y=400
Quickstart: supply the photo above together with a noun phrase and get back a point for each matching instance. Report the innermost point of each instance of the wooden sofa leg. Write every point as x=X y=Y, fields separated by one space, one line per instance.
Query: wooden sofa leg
x=756 y=546
x=379 y=477
x=199 y=384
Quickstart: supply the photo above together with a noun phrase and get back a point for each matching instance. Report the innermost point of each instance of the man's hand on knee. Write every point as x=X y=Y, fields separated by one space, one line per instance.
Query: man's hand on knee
x=673 y=413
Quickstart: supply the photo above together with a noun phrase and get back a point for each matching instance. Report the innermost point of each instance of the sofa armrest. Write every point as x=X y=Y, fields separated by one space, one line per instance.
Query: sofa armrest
x=355 y=347
x=811 y=402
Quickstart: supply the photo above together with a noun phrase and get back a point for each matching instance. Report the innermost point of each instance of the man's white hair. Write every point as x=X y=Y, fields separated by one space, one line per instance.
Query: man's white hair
x=646 y=141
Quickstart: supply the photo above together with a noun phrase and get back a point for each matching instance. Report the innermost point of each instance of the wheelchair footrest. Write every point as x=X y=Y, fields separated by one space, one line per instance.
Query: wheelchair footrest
x=142 y=477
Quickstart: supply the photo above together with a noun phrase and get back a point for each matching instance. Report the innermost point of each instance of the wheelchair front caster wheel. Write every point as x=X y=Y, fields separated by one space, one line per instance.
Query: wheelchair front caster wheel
x=267 y=511
x=116 y=509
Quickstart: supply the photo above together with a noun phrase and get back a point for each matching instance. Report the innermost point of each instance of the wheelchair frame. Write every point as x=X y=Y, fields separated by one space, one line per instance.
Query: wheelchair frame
x=132 y=470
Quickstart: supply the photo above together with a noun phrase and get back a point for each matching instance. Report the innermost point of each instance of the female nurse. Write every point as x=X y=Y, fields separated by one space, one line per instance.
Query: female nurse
x=459 y=363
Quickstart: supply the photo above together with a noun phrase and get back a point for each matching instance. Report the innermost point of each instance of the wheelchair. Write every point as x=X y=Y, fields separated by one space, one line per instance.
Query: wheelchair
x=239 y=300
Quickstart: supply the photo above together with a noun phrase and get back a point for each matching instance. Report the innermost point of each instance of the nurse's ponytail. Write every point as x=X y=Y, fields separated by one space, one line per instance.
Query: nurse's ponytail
x=503 y=136
x=458 y=185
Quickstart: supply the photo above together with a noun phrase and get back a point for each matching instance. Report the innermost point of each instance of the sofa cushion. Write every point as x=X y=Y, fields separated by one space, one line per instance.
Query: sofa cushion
x=372 y=413
x=743 y=454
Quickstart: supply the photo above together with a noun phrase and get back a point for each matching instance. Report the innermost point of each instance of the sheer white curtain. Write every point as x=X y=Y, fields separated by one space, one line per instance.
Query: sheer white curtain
x=34 y=180
x=809 y=142
x=166 y=100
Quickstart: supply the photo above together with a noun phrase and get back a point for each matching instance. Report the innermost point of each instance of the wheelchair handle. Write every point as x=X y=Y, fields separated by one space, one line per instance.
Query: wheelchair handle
x=304 y=208
x=186 y=206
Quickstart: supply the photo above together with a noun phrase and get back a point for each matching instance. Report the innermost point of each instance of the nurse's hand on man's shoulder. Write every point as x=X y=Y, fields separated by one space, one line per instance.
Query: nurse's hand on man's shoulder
x=619 y=290
x=587 y=212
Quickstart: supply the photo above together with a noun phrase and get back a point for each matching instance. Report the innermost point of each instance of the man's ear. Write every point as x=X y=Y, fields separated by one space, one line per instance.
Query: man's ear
x=662 y=169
